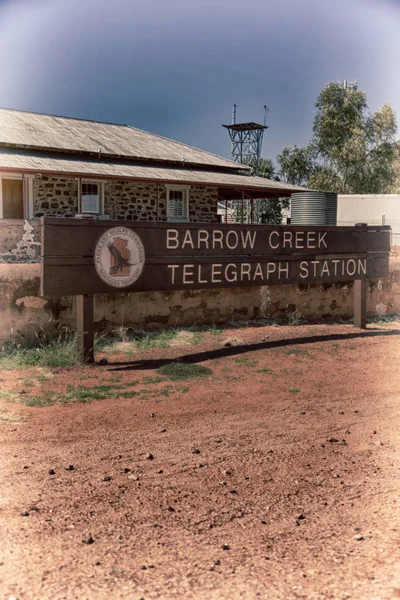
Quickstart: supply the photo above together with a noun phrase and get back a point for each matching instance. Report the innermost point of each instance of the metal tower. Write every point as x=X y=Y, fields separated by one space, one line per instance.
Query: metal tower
x=246 y=138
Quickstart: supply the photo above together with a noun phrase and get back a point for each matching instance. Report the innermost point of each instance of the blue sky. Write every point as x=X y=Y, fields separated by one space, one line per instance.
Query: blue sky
x=176 y=67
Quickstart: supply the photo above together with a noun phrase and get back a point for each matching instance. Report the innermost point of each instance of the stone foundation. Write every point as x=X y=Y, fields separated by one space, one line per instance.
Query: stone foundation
x=24 y=312
x=19 y=241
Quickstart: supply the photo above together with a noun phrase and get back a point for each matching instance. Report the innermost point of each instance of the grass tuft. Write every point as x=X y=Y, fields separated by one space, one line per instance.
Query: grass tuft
x=245 y=323
x=27 y=382
x=154 y=339
x=211 y=329
x=294 y=318
x=9 y=396
x=176 y=371
x=83 y=394
x=246 y=361
x=297 y=352
x=196 y=338
x=127 y=340
x=58 y=353
x=45 y=399
x=384 y=319
x=149 y=380
x=6 y=417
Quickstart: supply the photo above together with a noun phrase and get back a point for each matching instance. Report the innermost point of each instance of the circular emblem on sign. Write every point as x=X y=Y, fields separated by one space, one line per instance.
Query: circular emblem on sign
x=119 y=257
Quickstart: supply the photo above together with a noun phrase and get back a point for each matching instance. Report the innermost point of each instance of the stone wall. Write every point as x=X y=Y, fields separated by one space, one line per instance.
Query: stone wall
x=24 y=312
x=54 y=196
x=132 y=200
x=19 y=241
x=203 y=204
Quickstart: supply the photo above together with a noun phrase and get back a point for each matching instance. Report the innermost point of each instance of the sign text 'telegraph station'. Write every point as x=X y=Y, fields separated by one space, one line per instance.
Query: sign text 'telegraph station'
x=91 y=257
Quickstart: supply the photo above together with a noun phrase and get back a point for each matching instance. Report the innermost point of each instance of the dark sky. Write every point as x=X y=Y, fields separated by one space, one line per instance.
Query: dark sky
x=175 y=67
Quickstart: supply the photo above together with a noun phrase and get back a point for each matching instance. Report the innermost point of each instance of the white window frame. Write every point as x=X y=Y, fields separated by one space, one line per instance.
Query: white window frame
x=179 y=188
x=27 y=192
x=100 y=185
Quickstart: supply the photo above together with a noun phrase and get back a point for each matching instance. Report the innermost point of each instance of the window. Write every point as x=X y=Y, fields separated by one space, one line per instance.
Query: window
x=178 y=203
x=91 y=196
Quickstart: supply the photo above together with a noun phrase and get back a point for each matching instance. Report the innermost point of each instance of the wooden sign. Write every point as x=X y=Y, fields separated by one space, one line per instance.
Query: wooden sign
x=85 y=257
x=98 y=257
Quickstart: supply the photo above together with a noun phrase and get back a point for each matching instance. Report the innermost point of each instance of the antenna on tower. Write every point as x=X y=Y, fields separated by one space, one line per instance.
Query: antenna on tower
x=234 y=114
x=266 y=111
x=350 y=86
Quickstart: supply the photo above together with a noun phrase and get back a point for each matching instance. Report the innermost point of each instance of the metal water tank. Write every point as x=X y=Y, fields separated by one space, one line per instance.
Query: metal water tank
x=313 y=208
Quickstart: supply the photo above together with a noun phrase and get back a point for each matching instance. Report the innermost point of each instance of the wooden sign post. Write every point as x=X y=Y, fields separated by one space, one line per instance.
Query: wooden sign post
x=85 y=328
x=360 y=303
x=85 y=257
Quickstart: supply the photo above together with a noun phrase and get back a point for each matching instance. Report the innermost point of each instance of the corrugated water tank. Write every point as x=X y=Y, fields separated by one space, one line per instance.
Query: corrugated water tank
x=313 y=208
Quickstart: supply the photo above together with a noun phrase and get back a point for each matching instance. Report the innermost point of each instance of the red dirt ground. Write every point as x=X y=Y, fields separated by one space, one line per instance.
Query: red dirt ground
x=247 y=495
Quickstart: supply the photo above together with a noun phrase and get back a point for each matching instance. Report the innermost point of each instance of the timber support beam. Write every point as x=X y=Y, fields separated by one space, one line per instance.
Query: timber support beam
x=84 y=328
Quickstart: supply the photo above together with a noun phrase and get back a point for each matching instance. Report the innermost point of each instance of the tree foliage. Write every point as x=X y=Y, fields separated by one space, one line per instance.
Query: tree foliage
x=261 y=167
x=350 y=151
x=262 y=210
x=296 y=164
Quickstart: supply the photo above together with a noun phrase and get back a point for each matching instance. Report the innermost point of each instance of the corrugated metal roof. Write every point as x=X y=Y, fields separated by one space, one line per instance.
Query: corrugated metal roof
x=51 y=164
x=48 y=132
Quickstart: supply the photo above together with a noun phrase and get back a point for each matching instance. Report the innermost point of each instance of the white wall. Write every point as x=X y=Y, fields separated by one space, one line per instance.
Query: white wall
x=374 y=209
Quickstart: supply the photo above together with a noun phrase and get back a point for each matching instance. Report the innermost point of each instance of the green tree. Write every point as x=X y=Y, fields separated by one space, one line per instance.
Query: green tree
x=261 y=167
x=262 y=210
x=296 y=164
x=350 y=152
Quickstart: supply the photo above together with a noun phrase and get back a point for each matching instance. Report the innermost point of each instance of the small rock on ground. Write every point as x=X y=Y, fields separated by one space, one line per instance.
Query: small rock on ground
x=89 y=540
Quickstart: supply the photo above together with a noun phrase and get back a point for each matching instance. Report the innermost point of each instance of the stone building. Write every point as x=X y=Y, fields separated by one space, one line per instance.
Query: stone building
x=64 y=167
